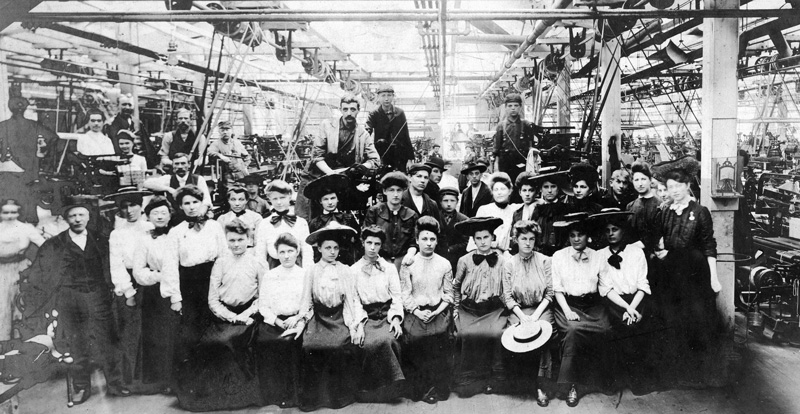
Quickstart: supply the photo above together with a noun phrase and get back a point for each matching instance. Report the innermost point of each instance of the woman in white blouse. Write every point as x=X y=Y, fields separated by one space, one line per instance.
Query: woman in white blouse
x=160 y=298
x=278 y=345
x=334 y=325
x=193 y=246
x=502 y=188
x=623 y=281
x=378 y=286
x=581 y=315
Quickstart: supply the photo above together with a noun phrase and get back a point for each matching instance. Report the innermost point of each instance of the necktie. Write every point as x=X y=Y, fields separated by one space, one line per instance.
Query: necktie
x=580 y=256
x=490 y=258
x=159 y=231
x=615 y=259
x=290 y=219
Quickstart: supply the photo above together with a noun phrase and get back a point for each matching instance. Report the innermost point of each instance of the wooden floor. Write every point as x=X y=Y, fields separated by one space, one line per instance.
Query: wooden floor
x=770 y=383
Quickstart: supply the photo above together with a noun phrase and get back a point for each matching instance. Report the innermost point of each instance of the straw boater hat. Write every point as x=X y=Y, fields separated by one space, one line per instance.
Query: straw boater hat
x=475 y=165
x=331 y=183
x=686 y=163
x=610 y=216
x=572 y=219
x=338 y=232
x=475 y=224
x=526 y=337
x=131 y=193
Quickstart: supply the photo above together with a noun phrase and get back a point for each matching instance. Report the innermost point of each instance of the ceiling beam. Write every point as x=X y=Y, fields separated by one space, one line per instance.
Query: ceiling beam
x=14 y=10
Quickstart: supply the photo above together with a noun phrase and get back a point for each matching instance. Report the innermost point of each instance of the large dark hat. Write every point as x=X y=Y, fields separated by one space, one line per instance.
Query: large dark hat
x=435 y=162
x=584 y=172
x=331 y=183
x=687 y=163
x=610 y=216
x=475 y=224
x=417 y=167
x=559 y=178
x=475 y=165
x=333 y=230
x=131 y=193
x=526 y=337
x=572 y=219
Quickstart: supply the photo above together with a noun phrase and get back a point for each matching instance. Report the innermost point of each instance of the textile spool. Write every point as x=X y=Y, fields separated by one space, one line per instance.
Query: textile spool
x=762 y=276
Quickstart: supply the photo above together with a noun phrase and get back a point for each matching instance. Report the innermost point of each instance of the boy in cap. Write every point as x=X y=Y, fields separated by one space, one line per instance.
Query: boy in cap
x=477 y=193
x=396 y=220
x=252 y=183
x=456 y=242
x=390 y=130
x=233 y=157
x=513 y=138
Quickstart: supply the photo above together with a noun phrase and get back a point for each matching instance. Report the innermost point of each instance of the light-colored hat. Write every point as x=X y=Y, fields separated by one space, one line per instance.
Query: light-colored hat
x=526 y=337
x=333 y=229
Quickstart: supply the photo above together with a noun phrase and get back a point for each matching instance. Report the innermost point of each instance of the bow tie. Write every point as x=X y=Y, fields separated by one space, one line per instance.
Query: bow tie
x=239 y=213
x=196 y=221
x=290 y=219
x=490 y=258
x=580 y=256
x=159 y=231
x=615 y=259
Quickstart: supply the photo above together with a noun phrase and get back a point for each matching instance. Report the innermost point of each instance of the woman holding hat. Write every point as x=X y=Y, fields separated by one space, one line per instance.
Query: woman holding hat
x=502 y=188
x=333 y=319
x=427 y=287
x=15 y=238
x=623 y=282
x=479 y=312
x=549 y=209
x=160 y=298
x=527 y=293
x=687 y=291
x=581 y=315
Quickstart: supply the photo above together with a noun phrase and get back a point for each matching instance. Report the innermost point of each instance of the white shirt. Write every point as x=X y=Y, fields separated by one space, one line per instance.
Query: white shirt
x=574 y=278
x=629 y=278
x=148 y=264
x=267 y=234
x=250 y=218
x=138 y=163
x=164 y=180
x=122 y=244
x=419 y=201
x=190 y=247
x=79 y=239
x=280 y=292
x=234 y=282
x=95 y=143
x=503 y=232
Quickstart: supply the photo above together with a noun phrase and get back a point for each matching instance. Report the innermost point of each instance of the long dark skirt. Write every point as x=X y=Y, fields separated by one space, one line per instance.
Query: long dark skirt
x=329 y=370
x=278 y=366
x=159 y=333
x=688 y=309
x=635 y=365
x=381 y=356
x=479 y=328
x=196 y=314
x=522 y=367
x=220 y=375
x=428 y=357
x=585 y=342
x=129 y=328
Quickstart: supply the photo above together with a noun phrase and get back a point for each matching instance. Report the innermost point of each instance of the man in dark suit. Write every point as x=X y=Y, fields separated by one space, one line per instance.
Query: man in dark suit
x=477 y=193
x=389 y=127
x=415 y=198
x=455 y=241
x=71 y=273
x=513 y=138
x=126 y=120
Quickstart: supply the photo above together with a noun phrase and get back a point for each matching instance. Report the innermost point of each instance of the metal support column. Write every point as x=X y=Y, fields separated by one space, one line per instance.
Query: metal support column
x=611 y=116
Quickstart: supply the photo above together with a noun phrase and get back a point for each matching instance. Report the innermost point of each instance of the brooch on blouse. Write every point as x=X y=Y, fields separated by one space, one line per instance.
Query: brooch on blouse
x=691 y=216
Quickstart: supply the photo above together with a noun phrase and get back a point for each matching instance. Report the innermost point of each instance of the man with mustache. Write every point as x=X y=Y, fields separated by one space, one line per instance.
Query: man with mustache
x=125 y=120
x=338 y=145
x=182 y=139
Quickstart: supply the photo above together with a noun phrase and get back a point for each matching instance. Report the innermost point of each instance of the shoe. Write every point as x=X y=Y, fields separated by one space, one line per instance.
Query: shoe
x=431 y=397
x=541 y=398
x=81 y=395
x=119 y=391
x=572 y=397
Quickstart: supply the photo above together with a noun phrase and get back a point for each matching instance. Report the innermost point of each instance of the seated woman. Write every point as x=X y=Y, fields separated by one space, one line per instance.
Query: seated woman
x=378 y=286
x=581 y=315
x=278 y=349
x=479 y=313
x=221 y=374
x=502 y=188
x=623 y=281
x=528 y=292
x=333 y=320
x=427 y=287
x=159 y=316
x=326 y=192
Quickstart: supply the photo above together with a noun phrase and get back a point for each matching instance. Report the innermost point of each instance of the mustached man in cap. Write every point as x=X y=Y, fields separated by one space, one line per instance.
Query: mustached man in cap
x=232 y=155
x=339 y=144
x=182 y=139
x=71 y=274
x=390 y=129
x=477 y=193
x=513 y=138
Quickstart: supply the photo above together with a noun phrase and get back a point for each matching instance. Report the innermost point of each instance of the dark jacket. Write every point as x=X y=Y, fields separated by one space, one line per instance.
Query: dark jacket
x=430 y=208
x=470 y=208
x=132 y=124
x=693 y=229
x=505 y=145
x=456 y=242
x=609 y=200
x=399 y=230
x=391 y=137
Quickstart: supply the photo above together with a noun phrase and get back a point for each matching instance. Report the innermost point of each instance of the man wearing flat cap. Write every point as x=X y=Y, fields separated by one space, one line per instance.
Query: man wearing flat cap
x=390 y=130
x=71 y=274
x=415 y=198
x=182 y=139
x=232 y=155
x=513 y=138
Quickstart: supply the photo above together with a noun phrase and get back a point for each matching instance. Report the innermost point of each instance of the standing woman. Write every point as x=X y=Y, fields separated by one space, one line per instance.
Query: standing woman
x=687 y=292
x=333 y=320
x=581 y=315
x=427 y=286
x=378 y=286
x=644 y=208
x=160 y=298
x=15 y=238
x=193 y=246
x=527 y=293
x=502 y=188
